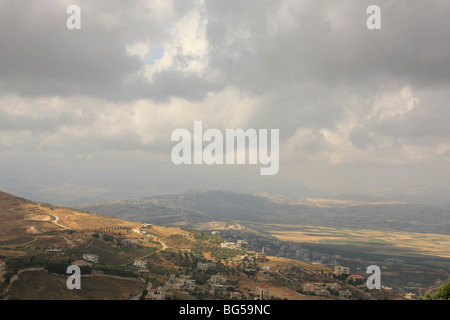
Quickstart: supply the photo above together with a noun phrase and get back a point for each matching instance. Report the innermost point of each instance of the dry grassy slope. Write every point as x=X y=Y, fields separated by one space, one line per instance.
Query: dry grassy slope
x=41 y=285
x=22 y=223
x=19 y=216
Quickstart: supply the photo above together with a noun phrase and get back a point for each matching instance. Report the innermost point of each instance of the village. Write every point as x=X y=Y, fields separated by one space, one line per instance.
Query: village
x=182 y=264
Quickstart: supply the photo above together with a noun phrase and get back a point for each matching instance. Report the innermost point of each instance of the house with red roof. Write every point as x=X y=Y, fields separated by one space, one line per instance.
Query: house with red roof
x=356 y=278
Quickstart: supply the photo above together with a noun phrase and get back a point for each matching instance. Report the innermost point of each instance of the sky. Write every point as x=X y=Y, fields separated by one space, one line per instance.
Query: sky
x=88 y=114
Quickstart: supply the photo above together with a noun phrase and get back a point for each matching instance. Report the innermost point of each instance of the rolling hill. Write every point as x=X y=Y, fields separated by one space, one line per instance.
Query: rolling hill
x=39 y=241
x=192 y=208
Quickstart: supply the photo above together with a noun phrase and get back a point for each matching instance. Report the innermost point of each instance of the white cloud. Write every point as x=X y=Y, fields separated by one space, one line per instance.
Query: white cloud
x=335 y=146
x=186 y=49
x=87 y=124
x=139 y=49
x=396 y=104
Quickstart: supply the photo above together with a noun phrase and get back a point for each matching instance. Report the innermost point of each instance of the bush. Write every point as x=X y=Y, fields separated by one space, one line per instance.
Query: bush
x=107 y=237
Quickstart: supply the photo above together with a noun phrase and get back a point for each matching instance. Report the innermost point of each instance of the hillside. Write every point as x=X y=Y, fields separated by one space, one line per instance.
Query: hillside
x=328 y=231
x=192 y=208
x=39 y=241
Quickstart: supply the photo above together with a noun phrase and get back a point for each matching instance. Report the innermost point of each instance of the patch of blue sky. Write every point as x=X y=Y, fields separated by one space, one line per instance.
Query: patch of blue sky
x=155 y=53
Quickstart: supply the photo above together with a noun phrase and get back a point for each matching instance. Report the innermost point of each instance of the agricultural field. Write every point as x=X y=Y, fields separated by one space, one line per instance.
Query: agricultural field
x=377 y=241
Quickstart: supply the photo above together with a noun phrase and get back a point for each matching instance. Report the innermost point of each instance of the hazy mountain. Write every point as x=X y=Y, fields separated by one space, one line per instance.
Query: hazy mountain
x=80 y=185
x=195 y=207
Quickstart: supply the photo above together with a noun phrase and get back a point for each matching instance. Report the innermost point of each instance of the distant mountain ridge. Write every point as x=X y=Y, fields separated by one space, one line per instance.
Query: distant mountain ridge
x=191 y=208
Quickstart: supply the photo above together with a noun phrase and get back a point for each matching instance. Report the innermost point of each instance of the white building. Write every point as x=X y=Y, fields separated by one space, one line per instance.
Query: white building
x=189 y=284
x=241 y=244
x=90 y=257
x=339 y=270
x=140 y=264
x=228 y=245
x=217 y=279
x=262 y=293
x=205 y=266
x=156 y=294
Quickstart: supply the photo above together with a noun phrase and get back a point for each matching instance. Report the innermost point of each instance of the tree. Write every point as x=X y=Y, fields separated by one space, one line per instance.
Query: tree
x=143 y=295
x=107 y=237
x=443 y=293
x=8 y=277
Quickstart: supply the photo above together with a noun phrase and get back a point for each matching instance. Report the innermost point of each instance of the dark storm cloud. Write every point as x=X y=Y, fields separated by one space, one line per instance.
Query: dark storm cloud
x=327 y=41
x=41 y=57
x=340 y=93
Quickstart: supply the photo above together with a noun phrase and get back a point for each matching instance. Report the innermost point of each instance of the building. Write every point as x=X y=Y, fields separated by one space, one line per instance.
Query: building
x=205 y=266
x=411 y=296
x=340 y=270
x=263 y=292
x=146 y=226
x=189 y=284
x=217 y=279
x=346 y=294
x=215 y=233
x=54 y=251
x=81 y=263
x=261 y=256
x=90 y=257
x=318 y=288
x=394 y=261
x=128 y=242
x=237 y=296
x=156 y=294
x=355 y=278
x=182 y=282
x=228 y=245
x=309 y=288
x=218 y=288
x=140 y=264
x=241 y=244
x=321 y=291
x=334 y=286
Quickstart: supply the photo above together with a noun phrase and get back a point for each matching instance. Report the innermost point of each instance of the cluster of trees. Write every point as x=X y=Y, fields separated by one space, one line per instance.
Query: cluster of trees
x=61 y=268
x=186 y=260
x=116 y=272
x=16 y=264
x=443 y=293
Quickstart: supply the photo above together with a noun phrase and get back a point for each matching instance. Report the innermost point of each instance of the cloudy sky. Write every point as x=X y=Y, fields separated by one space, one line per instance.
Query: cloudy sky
x=89 y=113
